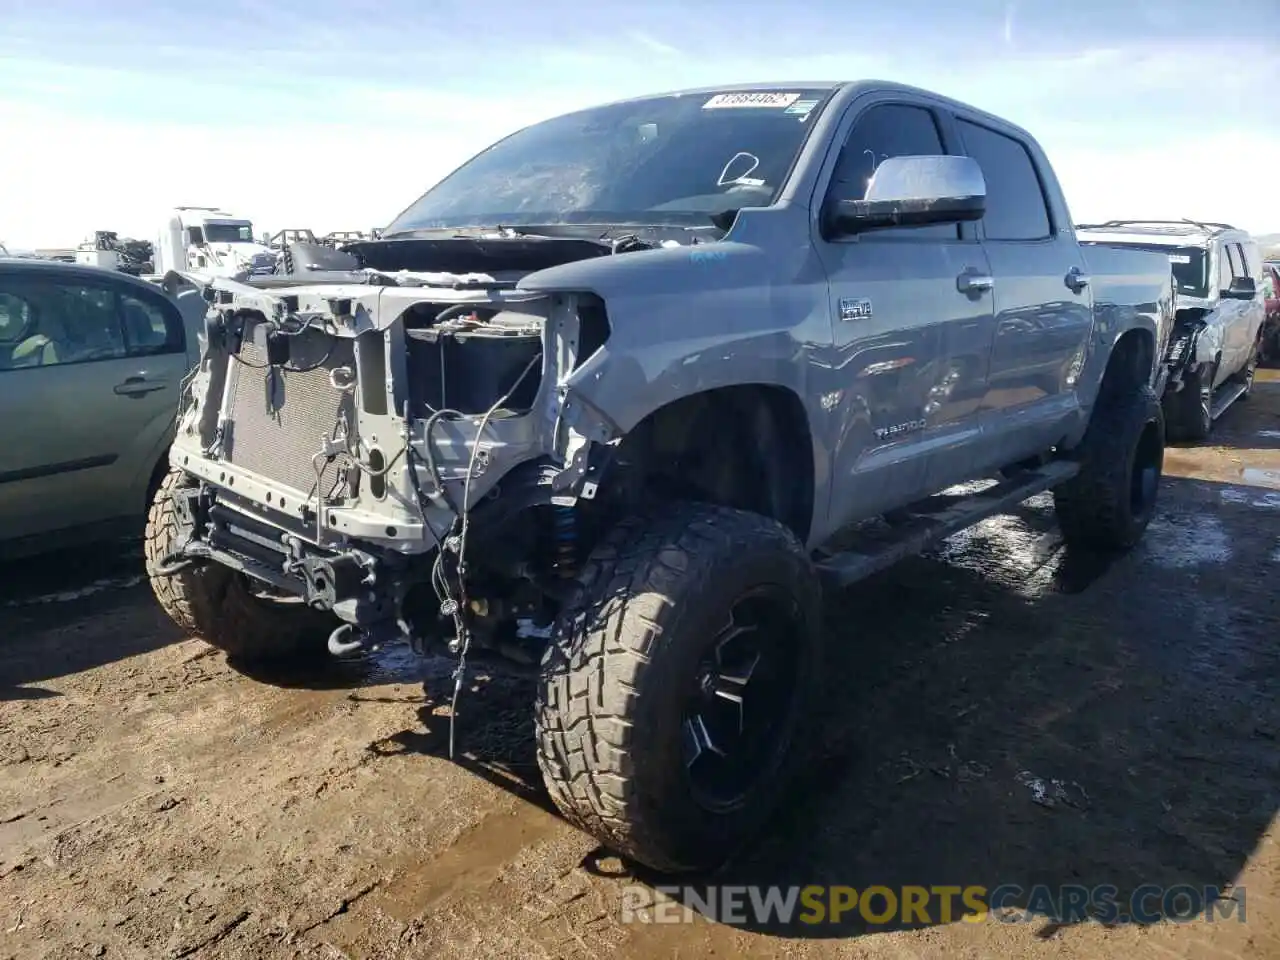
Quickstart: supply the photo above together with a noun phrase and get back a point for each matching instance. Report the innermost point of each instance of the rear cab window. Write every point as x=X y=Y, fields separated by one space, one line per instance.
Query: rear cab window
x=1016 y=204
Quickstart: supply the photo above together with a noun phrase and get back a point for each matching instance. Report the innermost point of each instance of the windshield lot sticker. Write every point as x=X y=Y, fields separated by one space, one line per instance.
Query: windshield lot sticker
x=801 y=107
x=723 y=100
x=1179 y=258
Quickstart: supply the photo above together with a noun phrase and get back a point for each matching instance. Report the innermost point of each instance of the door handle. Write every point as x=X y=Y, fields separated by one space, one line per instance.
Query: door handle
x=138 y=386
x=1076 y=279
x=972 y=282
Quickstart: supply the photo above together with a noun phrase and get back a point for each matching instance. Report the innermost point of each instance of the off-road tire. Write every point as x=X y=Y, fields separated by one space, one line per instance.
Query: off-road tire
x=1096 y=507
x=1189 y=412
x=214 y=602
x=609 y=709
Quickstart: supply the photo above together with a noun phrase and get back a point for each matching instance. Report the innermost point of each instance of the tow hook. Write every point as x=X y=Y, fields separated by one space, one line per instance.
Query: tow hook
x=340 y=646
x=173 y=563
x=180 y=559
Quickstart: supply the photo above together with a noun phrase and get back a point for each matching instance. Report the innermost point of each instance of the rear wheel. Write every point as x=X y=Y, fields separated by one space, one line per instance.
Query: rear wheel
x=673 y=691
x=217 y=604
x=1109 y=503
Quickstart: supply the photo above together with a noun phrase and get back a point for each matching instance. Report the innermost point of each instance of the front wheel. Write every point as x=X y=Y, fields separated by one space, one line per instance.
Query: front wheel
x=1109 y=503
x=1190 y=410
x=1251 y=369
x=674 y=688
x=216 y=603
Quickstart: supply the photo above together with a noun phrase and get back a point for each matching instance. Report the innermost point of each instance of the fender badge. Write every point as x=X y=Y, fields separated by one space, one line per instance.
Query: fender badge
x=855 y=308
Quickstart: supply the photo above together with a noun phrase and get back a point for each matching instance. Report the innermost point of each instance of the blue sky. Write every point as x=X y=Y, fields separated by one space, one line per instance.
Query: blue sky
x=336 y=115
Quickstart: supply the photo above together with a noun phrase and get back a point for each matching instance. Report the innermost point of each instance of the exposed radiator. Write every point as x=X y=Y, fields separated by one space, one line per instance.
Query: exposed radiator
x=279 y=418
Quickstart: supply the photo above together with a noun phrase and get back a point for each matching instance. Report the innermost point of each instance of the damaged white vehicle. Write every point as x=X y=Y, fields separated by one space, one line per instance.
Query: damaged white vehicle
x=1214 y=350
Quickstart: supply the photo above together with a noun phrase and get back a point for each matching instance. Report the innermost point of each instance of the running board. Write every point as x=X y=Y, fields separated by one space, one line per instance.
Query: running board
x=871 y=551
x=1228 y=394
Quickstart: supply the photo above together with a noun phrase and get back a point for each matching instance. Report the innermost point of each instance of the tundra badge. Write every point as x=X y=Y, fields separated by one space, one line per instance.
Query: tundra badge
x=897 y=429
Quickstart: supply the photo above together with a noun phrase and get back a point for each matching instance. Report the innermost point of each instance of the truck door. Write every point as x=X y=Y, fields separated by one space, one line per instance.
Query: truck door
x=913 y=319
x=1043 y=304
x=1243 y=316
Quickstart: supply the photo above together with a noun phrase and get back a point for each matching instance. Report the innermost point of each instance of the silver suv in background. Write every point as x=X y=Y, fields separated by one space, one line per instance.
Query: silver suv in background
x=1213 y=353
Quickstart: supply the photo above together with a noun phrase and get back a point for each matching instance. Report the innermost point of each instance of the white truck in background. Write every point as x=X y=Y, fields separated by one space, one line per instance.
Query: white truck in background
x=210 y=241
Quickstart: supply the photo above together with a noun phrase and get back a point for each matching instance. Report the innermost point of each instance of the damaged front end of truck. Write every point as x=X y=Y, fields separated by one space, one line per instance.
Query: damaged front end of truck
x=401 y=449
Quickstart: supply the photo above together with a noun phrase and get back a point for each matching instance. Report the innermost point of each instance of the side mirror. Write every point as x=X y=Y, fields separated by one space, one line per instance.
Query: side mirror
x=1242 y=288
x=913 y=191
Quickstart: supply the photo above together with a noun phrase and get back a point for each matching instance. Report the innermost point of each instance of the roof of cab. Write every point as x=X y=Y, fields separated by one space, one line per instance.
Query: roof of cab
x=848 y=88
x=1163 y=232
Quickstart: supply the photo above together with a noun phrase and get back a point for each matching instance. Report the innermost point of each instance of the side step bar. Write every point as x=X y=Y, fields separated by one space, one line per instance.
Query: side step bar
x=1228 y=394
x=876 y=550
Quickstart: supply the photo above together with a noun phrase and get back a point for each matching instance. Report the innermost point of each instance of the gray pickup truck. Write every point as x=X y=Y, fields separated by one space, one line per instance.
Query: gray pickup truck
x=621 y=395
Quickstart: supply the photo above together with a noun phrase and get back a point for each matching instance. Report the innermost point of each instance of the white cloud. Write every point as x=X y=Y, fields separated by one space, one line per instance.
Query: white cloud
x=1223 y=178
x=78 y=175
x=653 y=44
x=352 y=154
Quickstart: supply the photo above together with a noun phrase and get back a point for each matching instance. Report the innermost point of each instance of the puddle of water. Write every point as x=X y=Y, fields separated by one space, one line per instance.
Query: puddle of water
x=1271 y=434
x=1267 y=501
x=63 y=596
x=1006 y=546
x=1258 y=477
x=1187 y=542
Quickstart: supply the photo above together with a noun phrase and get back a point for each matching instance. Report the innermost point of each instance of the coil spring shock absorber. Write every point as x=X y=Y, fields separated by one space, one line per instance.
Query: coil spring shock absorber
x=565 y=536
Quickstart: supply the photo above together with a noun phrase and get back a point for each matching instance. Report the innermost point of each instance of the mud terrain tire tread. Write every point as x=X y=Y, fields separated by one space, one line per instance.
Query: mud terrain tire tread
x=637 y=601
x=211 y=602
x=1094 y=507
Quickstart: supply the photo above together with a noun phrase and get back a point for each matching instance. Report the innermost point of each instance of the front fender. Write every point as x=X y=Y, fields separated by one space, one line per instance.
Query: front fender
x=695 y=317
x=1209 y=340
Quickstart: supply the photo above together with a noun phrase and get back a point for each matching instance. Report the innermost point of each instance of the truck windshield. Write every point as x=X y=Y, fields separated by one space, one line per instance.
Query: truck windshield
x=659 y=160
x=228 y=232
x=1190 y=271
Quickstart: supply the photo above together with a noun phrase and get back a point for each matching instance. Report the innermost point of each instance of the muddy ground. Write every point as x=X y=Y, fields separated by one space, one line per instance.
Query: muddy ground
x=156 y=803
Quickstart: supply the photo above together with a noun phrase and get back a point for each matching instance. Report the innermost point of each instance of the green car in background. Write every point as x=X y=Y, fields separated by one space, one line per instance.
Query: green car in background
x=91 y=363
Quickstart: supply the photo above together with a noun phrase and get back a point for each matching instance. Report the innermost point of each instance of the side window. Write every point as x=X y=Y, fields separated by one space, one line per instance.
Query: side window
x=1016 y=208
x=148 y=329
x=1241 y=260
x=883 y=131
x=1225 y=268
x=1230 y=264
x=63 y=323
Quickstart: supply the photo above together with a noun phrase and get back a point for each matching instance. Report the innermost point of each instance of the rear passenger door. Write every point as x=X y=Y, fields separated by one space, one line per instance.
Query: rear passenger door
x=1242 y=315
x=89 y=389
x=911 y=337
x=1043 y=313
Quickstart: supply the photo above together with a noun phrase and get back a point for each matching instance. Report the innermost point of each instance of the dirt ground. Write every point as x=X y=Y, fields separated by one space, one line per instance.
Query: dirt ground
x=999 y=712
